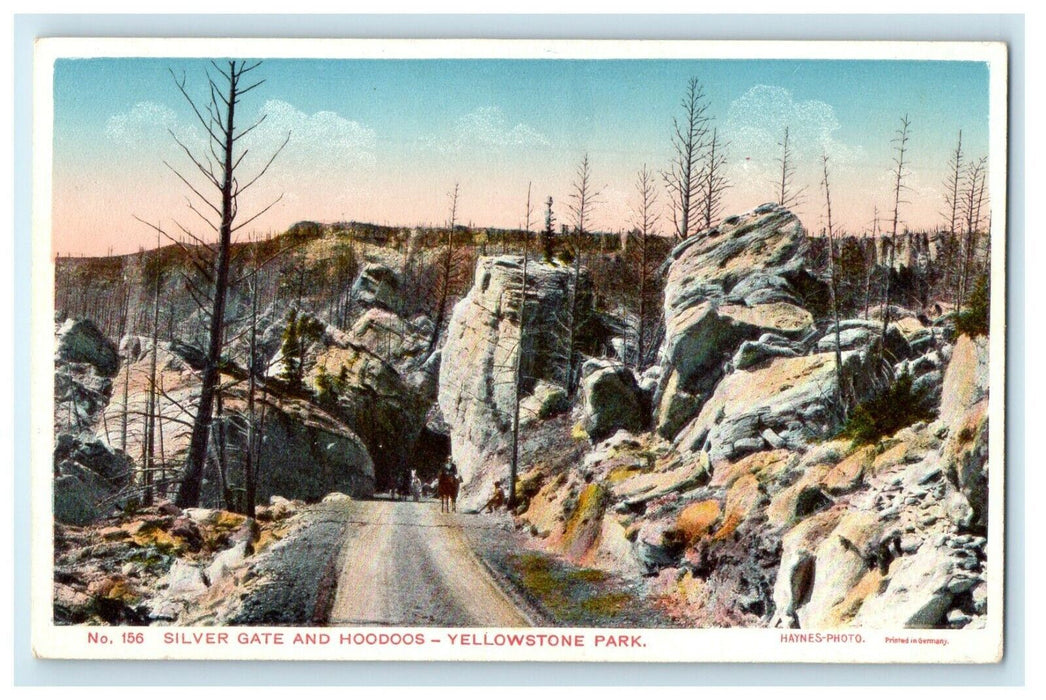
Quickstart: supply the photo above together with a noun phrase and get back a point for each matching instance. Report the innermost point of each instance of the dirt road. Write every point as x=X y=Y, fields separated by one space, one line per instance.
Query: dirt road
x=405 y=563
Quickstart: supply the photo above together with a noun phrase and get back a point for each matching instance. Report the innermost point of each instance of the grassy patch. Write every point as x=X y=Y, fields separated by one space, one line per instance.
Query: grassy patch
x=572 y=595
x=608 y=604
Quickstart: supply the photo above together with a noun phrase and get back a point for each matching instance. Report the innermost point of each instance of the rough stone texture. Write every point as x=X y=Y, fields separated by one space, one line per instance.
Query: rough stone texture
x=545 y=401
x=399 y=342
x=858 y=334
x=726 y=285
x=80 y=341
x=306 y=451
x=790 y=396
x=696 y=520
x=477 y=373
x=377 y=285
x=917 y=594
x=964 y=409
x=795 y=577
x=841 y=560
x=754 y=352
x=965 y=379
x=88 y=473
x=377 y=402
x=612 y=399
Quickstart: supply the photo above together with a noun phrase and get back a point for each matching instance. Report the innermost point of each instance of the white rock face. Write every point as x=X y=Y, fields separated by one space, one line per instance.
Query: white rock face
x=965 y=380
x=917 y=594
x=477 y=370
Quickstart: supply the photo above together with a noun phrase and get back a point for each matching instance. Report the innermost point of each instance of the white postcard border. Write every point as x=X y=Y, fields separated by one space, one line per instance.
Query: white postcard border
x=705 y=645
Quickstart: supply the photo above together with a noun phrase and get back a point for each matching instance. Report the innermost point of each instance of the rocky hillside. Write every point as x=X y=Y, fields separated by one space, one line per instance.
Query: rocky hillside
x=725 y=476
x=771 y=468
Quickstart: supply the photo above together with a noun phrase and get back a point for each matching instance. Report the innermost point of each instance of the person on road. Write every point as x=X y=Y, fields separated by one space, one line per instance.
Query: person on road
x=497 y=500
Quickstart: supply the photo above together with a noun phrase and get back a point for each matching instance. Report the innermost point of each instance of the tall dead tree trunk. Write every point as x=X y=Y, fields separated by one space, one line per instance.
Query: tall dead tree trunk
x=218 y=168
x=832 y=288
x=518 y=370
x=713 y=181
x=953 y=206
x=787 y=196
x=150 y=431
x=446 y=270
x=901 y=147
x=645 y=221
x=688 y=142
x=583 y=198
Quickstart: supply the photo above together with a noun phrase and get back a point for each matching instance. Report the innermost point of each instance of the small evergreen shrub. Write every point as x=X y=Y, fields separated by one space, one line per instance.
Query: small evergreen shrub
x=898 y=406
x=974 y=320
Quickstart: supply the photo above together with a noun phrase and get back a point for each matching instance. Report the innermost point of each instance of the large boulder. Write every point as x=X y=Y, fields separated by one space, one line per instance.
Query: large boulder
x=786 y=403
x=477 y=373
x=401 y=343
x=378 y=286
x=80 y=341
x=726 y=285
x=612 y=399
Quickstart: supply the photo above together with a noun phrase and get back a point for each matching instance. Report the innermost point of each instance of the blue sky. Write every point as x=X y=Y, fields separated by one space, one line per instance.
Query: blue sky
x=385 y=140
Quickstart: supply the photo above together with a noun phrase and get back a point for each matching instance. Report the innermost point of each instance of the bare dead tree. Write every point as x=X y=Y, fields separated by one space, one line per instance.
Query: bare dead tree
x=832 y=284
x=583 y=198
x=528 y=214
x=900 y=142
x=645 y=220
x=127 y=364
x=518 y=371
x=148 y=445
x=871 y=261
x=972 y=199
x=787 y=195
x=218 y=168
x=689 y=135
x=713 y=181
x=446 y=269
x=952 y=184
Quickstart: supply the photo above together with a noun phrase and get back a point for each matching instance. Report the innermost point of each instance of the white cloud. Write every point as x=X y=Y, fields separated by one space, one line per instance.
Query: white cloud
x=144 y=121
x=488 y=127
x=319 y=140
x=756 y=121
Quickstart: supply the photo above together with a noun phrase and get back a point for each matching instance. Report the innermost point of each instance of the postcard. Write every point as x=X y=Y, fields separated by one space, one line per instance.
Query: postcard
x=477 y=350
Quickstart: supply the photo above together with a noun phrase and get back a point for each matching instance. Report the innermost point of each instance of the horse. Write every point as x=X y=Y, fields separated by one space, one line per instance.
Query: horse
x=447 y=490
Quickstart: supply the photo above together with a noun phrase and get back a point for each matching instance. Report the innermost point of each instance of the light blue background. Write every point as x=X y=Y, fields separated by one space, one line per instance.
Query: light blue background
x=1009 y=28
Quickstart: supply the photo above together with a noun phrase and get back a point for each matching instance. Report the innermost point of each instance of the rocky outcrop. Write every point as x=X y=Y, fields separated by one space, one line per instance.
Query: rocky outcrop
x=786 y=403
x=726 y=285
x=305 y=450
x=477 y=372
x=377 y=286
x=79 y=341
x=964 y=409
x=380 y=382
x=87 y=471
x=163 y=565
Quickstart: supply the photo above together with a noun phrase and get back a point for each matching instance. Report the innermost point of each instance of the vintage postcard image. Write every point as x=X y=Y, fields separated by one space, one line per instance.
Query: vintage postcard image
x=532 y=350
